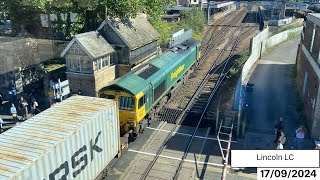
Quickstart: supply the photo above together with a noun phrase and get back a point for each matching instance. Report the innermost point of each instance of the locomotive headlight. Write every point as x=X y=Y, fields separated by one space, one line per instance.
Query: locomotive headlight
x=131 y=124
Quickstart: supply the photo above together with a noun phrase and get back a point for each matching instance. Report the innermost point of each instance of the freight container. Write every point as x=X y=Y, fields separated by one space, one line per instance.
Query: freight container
x=76 y=139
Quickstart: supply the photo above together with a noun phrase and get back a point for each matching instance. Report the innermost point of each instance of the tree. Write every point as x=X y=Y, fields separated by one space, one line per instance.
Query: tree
x=90 y=12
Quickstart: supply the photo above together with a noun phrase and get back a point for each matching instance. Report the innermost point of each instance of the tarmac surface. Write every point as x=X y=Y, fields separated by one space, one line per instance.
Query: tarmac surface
x=203 y=160
x=273 y=96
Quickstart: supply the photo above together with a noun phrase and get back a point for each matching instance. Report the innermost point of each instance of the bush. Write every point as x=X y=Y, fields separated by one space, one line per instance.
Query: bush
x=164 y=29
x=194 y=19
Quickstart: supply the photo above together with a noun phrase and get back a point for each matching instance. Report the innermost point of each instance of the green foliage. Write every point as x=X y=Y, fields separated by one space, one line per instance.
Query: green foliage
x=164 y=29
x=194 y=19
x=297 y=23
x=90 y=12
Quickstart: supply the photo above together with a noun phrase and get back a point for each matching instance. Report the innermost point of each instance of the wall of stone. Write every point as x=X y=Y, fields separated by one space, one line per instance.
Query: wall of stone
x=104 y=77
x=83 y=82
x=122 y=69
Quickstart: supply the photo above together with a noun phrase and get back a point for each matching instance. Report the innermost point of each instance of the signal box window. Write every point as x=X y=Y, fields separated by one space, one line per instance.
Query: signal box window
x=107 y=96
x=142 y=101
x=126 y=103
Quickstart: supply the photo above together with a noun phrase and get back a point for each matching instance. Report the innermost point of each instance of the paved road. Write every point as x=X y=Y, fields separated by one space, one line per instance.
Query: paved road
x=273 y=96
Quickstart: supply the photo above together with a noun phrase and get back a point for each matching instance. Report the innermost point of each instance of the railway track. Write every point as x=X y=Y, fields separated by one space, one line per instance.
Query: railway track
x=183 y=95
x=181 y=115
x=159 y=158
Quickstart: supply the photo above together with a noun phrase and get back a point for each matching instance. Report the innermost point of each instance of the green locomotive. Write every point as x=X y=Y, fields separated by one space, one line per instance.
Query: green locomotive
x=141 y=91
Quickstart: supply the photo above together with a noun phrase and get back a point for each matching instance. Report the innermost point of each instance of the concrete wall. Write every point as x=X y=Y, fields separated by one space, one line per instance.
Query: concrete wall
x=278 y=38
x=310 y=94
x=258 y=45
x=308 y=85
x=280 y=22
x=21 y=53
x=306 y=64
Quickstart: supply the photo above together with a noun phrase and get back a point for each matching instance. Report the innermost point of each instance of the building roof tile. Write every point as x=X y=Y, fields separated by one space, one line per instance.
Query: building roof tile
x=92 y=43
x=135 y=33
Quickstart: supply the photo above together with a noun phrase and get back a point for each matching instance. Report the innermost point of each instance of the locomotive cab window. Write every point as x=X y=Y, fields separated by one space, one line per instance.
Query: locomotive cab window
x=126 y=103
x=142 y=101
x=107 y=96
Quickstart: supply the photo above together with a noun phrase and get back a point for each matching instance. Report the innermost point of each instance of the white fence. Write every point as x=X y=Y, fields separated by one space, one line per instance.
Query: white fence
x=278 y=38
x=259 y=44
x=280 y=22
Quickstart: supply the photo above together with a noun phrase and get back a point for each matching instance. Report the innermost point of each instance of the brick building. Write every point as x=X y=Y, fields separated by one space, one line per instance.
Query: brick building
x=308 y=72
x=96 y=58
x=89 y=62
x=134 y=41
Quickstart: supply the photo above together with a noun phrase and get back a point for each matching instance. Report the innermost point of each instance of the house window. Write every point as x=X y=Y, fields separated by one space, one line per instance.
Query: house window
x=103 y=62
x=79 y=64
x=112 y=60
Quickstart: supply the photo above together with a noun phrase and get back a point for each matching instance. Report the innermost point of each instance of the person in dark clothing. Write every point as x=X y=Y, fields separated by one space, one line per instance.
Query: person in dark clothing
x=278 y=128
x=32 y=96
x=23 y=107
x=13 y=90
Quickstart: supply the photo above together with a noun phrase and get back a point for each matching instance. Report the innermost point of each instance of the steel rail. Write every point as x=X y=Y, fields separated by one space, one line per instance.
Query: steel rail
x=221 y=32
x=221 y=77
x=185 y=110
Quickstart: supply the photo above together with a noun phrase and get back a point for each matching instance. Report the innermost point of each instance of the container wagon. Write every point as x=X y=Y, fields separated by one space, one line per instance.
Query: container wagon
x=76 y=139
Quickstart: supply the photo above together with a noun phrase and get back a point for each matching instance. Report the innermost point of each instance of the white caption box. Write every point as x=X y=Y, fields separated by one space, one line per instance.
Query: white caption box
x=288 y=173
x=275 y=158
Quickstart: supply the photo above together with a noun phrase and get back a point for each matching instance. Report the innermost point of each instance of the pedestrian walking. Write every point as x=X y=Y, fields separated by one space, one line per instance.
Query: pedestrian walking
x=282 y=138
x=300 y=132
x=13 y=112
x=32 y=96
x=23 y=107
x=280 y=145
x=278 y=128
x=34 y=107
x=1 y=127
x=13 y=91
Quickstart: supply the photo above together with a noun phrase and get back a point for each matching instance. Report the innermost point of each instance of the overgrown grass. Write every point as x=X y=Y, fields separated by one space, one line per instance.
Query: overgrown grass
x=291 y=36
x=295 y=24
x=194 y=19
x=235 y=71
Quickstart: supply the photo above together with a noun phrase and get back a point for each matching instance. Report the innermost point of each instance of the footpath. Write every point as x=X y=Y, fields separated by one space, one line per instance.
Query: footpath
x=273 y=96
